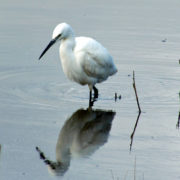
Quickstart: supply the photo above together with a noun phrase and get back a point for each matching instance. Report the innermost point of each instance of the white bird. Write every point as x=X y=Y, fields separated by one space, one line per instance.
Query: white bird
x=83 y=59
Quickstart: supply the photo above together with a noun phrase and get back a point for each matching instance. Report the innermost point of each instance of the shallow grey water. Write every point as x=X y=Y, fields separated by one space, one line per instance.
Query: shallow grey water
x=36 y=99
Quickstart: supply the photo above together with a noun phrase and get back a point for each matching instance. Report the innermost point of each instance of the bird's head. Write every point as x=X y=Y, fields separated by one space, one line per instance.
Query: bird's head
x=61 y=31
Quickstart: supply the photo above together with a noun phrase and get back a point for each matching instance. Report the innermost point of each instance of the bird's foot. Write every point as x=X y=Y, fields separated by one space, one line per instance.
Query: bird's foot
x=91 y=103
x=92 y=100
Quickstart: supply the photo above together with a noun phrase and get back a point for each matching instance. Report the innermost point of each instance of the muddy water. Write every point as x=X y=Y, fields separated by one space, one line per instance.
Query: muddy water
x=40 y=108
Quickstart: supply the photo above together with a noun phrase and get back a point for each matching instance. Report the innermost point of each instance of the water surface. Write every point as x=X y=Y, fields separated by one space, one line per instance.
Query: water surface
x=36 y=99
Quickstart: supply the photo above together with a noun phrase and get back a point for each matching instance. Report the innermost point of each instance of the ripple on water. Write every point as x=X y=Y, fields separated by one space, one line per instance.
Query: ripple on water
x=38 y=86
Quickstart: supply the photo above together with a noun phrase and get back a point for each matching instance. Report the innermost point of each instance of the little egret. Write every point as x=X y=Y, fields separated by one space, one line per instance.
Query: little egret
x=83 y=59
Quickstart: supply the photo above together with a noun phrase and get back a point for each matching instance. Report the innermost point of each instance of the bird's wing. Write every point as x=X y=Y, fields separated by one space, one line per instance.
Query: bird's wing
x=94 y=58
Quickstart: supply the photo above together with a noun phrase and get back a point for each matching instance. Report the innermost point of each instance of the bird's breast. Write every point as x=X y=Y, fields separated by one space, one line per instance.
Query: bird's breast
x=71 y=68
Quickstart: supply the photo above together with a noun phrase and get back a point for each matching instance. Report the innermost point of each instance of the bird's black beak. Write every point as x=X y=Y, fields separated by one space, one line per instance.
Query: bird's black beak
x=48 y=46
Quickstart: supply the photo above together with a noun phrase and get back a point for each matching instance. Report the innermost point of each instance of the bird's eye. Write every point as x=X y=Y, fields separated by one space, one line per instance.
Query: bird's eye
x=59 y=36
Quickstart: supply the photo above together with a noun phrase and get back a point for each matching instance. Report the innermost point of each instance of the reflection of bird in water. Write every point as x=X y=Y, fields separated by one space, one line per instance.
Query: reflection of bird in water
x=82 y=134
x=83 y=59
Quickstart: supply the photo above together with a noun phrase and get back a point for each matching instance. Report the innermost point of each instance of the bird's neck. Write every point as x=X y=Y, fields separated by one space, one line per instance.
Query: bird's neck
x=67 y=55
x=67 y=44
x=66 y=49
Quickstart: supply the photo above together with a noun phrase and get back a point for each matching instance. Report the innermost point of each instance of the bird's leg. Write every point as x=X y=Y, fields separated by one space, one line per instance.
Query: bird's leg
x=91 y=101
x=95 y=92
x=90 y=98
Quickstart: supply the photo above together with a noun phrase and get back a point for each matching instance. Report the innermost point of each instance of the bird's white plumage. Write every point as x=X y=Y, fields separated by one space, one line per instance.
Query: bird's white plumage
x=83 y=59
